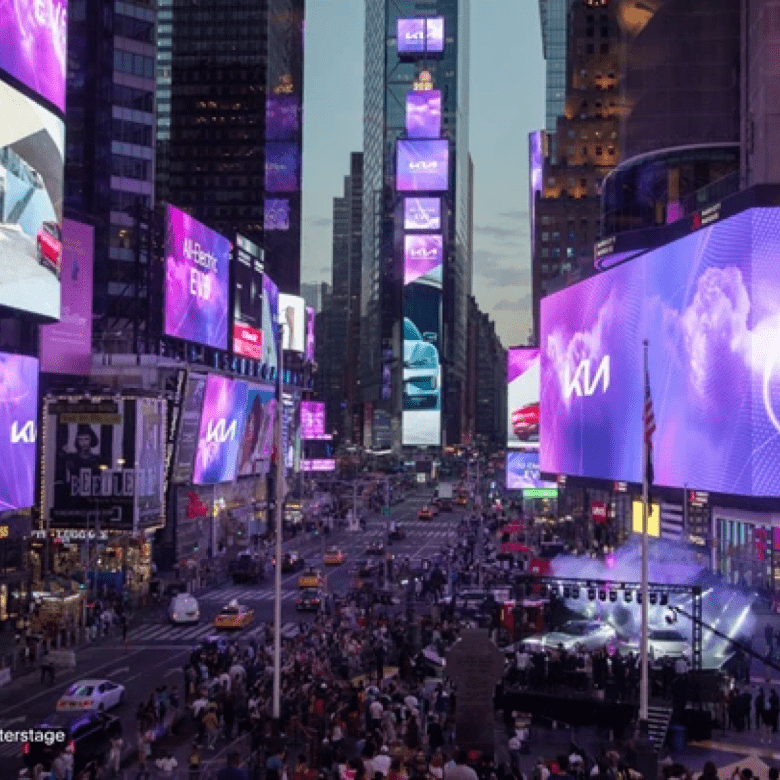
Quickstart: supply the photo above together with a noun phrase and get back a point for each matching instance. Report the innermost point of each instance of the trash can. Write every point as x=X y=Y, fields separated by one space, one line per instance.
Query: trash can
x=677 y=738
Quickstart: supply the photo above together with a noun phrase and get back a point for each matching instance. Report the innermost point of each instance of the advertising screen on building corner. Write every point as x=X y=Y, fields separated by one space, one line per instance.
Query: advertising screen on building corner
x=523 y=398
x=423 y=165
x=709 y=305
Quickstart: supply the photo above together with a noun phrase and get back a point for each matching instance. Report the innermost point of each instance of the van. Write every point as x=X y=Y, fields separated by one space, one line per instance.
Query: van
x=184 y=609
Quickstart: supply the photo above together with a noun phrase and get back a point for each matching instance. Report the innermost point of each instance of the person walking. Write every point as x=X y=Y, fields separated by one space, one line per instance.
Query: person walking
x=115 y=755
x=193 y=762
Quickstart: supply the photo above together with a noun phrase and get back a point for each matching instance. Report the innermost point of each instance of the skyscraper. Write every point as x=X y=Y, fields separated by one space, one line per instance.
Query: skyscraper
x=416 y=219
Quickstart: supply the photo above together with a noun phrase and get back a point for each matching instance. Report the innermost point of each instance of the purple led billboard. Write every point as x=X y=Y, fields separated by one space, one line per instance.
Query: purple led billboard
x=434 y=34
x=523 y=398
x=282 y=117
x=270 y=322
x=522 y=471
x=196 y=284
x=421 y=255
x=313 y=420
x=276 y=214
x=422 y=166
x=221 y=431
x=535 y=170
x=282 y=166
x=708 y=304
x=422 y=214
x=19 y=424
x=310 y=334
x=411 y=36
x=423 y=114
x=34 y=36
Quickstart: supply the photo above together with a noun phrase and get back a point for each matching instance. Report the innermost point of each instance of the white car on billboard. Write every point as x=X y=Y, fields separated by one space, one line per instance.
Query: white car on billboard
x=421 y=368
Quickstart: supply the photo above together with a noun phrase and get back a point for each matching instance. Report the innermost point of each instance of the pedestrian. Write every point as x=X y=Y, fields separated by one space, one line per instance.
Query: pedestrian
x=115 y=754
x=193 y=762
x=232 y=771
x=211 y=725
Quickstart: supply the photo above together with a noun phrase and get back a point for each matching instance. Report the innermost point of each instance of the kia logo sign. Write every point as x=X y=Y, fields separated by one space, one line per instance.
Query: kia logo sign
x=220 y=431
x=23 y=433
x=598 y=510
x=581 y=384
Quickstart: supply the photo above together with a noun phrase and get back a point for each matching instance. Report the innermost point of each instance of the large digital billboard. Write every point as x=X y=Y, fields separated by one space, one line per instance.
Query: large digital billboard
x=311 y=320
x=423 y=114
x=270 y=322
x=420 y=36
x=313 y=420
x=221 y=431
x=422 y=253
x=150 y=447
x=709 y=304
x=257 y=441
x=31 y=177
x=422 y=166
x=282 y=117
x=292 y=315
x=422 y=214
x=282 y=166
x=196 y=281
x=247 y=299
x=19 y=424
x=34 y=36
x=66 y=346
x=522 y=471
x=277 y=214
x=189 y=427
x=522 y=373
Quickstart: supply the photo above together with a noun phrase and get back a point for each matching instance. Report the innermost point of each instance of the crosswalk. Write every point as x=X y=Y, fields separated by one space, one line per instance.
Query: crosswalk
x=183 y=634
x=243 y=594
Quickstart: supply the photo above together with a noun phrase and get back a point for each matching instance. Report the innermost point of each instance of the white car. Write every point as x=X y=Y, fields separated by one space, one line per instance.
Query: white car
x=184 y=608
x=667 y=643
x=91 y=695
x=577 y=635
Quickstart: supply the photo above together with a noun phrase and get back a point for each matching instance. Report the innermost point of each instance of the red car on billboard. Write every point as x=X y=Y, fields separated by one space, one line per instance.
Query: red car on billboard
x=49 y=247
x=525 y=422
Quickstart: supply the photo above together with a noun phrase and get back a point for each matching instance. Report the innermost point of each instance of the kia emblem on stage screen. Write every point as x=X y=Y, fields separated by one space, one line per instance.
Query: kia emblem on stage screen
x=411 y=36
x=313 y=420
x=704 y=304
x=221 y=431
x=423 y=114
x=282 y=166
x=31 y=180
x=421 y=255
x=34 y=36
x=422 y=214
x=196 y=286
x=523 y=397
x=423 y=166
x=19 y=424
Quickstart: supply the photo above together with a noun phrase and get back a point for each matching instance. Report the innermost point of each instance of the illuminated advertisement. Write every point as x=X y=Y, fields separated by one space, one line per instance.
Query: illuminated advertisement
x=421 y=418
x=422 y=166
x=66 y=346
x=708 y=305
x=422 y=214
x=311 y=320
x=434 y=34
x=270 y=322
x=535 y=171
x=292 y=315
x=189 y=428
x=522 y=471
x=31 y=177
x=422 y=254
x=418 y=36
x=247 y=299
x=19 y=422
x=423 y=114
x=282 y=117
x=221 y=430
x=277 y=214
x=257 y=442
x=150 y=449
x=318 y=464
x=313 y=420
x=34 y=36
x=196 y=284
x=318 y=455
x=523 y=397
x=282 y=166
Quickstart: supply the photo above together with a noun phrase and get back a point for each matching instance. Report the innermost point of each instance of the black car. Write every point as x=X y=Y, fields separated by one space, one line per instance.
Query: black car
x=89 y=734
x=365 y=569
x=375 y=548
x=309 y=600
x=291 y=562
x=248 y=568
x=397 y=534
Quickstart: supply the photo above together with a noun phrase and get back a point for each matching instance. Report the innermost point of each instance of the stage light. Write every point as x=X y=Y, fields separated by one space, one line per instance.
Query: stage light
x=602 y=595
x=591 y=594
x=575 y=592
x=566 y=592
x=664 y=599
x=653 y=598
x=627 y=597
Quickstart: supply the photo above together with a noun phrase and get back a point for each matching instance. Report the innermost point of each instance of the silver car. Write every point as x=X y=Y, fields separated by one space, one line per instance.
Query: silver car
x=580 y=635
x=667 y=643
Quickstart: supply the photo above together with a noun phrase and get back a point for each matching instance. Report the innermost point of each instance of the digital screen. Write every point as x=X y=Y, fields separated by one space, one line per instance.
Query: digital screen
x=189 y=428
x=423 y=166
x=535 y=170
x=270 y=322
x=19 y=423
x=311 y=321
x=523 y=397
x=422 y=254
x=411 y=36
x=282 y=117
x=708 y=305
x=423 y=114
x=277 y=214
x=196 y=286
x=247 y=300
x=150 y=446
x=318 y=464
x=313 y=420
x=434 y=34
x=292 y=315
x=66 y=346
x=257 y=442
x=31 y=177
x=221 y=430
x=422 y=214
x=282 y=166
x=34 y=36
x=522 y=471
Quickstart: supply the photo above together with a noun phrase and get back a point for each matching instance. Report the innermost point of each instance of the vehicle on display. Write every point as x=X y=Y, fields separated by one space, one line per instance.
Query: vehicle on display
x=91 y=695
x=576 y=635
x=234 y=615
x=309 y=600
x=421 y=369
x=184 y=608
x=375 y=548
x=525 y=422
x=665 y=643
x=291 y=562
x=247 y=568
x=311 y=578
x=49 y=247
x=425 y=513
x=334 y=557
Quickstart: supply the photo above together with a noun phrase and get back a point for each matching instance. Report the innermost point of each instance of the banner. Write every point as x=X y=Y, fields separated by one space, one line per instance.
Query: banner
x=150 y=446
x=189 y=427
x=257 y=442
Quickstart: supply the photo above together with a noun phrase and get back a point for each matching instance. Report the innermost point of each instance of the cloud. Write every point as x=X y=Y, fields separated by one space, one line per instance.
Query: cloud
x=319 y=222
x=515 y=305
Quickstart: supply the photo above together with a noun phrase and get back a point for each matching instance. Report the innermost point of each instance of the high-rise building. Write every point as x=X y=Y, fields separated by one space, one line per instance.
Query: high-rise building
x=416 y=219
x=229 y=121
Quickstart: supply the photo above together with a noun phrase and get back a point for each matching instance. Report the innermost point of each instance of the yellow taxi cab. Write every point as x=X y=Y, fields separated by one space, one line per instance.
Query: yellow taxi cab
x=234 y=615
x=425 y=513
x=334 y=557
x=311 y=578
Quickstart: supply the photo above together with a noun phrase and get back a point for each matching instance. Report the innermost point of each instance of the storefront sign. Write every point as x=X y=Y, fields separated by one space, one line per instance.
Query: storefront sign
x=698 y=498
x=68 y=535
x=598 y=511
x=620 y=487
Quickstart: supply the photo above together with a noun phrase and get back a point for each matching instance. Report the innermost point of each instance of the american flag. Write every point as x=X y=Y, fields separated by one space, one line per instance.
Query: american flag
x=649 y=418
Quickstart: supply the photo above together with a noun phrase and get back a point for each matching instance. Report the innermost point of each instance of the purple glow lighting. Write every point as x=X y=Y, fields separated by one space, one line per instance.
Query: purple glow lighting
x=282 y=167
x=277 y=214
x=714 y=363
x=310 y=333
x=282 y=117
x=313 y=420
x=270 y=322
x=423 y=114
x=411 y=36
x=434 y=34
x=196 y=287
x=422 y=214
x=221 y=430
x=421 y=255
x=423 y=166
x=19 y=425
x=34 y=36
x=535 y=168
x=523 y=398
x=321 y=464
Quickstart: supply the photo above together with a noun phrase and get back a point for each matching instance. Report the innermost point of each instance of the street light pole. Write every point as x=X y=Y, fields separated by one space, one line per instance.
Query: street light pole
x=278 y=568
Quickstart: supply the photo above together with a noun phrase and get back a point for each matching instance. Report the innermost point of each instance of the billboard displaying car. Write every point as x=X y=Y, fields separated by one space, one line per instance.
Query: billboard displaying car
x=292 y=317
x=422 y=165
x=423 y=113
x=31 y=178
x=19 y=424
x=707 y=303
x=522 y=375
x=196 y=281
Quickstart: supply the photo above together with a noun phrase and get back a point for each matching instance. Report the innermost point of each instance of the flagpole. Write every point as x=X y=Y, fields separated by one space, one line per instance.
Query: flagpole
x=644 y=680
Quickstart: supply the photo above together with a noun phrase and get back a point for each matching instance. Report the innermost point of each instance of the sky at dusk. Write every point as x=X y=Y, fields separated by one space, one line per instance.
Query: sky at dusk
x=507 y=102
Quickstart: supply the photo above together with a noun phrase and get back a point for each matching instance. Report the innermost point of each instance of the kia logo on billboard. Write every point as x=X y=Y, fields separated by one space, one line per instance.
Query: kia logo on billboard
x=423 y=165
x=423 y=253
x=581 y=384
x=219 y=431
x=23 y=433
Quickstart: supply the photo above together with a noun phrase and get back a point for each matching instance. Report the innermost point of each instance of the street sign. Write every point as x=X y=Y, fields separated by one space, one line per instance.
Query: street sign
x=386 y=511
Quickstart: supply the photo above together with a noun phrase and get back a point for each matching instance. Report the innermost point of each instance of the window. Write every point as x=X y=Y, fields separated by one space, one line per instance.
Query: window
x=571 y=182
x=584 y=151
x=545 y=236
x=604 y=49
x=551 y=181
x=590 y=49
x=584 y=183
x=598 y=151
x=545 y=252
x=569 y=252
x=556 y=236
